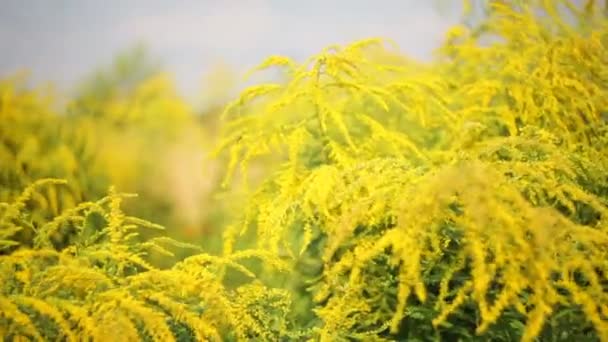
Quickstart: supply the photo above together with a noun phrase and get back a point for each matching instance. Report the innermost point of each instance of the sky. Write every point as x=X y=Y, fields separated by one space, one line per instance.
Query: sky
x=63 y=41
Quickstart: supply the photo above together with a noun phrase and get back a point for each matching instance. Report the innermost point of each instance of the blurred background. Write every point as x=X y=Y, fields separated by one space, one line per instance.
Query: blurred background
x=63 y=40
x=128 y=93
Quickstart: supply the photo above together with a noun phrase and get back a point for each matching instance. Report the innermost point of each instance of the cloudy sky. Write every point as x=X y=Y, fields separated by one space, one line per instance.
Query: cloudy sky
x=63 y=40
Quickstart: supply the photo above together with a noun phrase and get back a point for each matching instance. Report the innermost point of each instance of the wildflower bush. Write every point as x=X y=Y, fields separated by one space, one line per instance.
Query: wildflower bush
x=460 y=200
x=372 y=198
x=102 y=286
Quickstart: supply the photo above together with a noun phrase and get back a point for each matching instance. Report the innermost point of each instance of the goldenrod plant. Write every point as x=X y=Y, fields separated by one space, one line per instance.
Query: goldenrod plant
x=101 y=286
x=367 y=196
x=144 y=122
x=37 y=142
x=126 y=126
x=461 y=200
